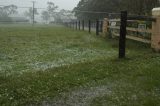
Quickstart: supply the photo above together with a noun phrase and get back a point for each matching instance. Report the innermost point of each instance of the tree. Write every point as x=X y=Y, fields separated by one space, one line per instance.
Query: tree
x=63 y=15
x=66 y=14
x=6 y=11
x=95 y=6
x=52 y=9
x=29 y=13
x=10 y=9
x=45 y=16
x=140 y=7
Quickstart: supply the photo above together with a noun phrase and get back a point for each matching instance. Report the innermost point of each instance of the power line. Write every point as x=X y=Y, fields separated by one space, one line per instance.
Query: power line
x=109 y=13
x=96 y=12
x=30 y=7
x=22 y=7
x=99 y=12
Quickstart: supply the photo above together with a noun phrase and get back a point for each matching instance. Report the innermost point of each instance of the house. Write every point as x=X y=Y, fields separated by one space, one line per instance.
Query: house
x=19 y=19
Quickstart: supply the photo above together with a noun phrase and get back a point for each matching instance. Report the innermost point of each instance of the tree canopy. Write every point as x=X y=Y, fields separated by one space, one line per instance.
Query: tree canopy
x=6 y=11
x=52 y=12
x=140 y=7
x=29 y=13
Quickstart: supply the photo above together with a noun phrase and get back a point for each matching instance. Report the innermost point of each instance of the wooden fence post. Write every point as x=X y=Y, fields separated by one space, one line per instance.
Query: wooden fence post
x=155 y=38
x=89 y=26
x=105 y=27
x=97 y=27
x=122 y=38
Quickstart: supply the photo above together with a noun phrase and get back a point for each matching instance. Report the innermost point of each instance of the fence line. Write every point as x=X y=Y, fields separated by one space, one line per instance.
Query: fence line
x=96 y=25
x=110 y=26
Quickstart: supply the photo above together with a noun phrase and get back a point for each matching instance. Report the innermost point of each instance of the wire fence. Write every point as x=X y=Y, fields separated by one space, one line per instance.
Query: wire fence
x=138 y=27
x=87 y=25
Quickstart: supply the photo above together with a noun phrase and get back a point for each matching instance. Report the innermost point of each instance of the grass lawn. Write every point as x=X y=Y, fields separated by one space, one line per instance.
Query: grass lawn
x=48 y=65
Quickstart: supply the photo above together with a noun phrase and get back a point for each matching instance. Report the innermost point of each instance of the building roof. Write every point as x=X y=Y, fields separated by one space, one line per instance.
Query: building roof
x=19 y=19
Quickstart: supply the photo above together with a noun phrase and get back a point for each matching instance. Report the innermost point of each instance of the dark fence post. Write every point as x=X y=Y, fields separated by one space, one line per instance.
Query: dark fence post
x=79 y=24
x=83 y=25
x=97 y=27
x=76 y=25
x=73 y=24
x=122 y=38
x=70 y=24
x=101 y=26
x=89 y=26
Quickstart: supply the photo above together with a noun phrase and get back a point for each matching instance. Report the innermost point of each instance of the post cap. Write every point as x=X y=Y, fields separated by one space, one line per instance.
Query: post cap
x=156 y=11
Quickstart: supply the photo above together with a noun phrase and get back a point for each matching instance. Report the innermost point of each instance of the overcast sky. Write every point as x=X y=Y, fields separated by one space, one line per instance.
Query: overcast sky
x=63 y=4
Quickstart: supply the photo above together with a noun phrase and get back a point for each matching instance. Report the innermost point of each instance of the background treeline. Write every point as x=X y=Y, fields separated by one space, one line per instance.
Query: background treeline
x=6 y=11
x=140 y=7
x=51 y=14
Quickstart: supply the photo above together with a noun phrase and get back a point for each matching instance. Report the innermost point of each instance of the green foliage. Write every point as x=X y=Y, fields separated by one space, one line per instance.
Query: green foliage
x=141 y=7
x=58 y=16
x=51 y=9
x=64 y=15
x=95 y=5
